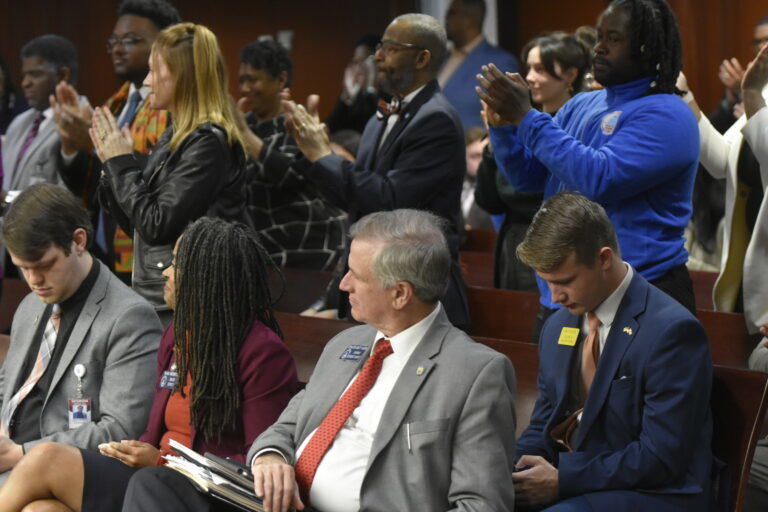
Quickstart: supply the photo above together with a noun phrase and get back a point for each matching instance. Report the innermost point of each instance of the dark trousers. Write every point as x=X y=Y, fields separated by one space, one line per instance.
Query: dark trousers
x=160 y=488
x=676 y=283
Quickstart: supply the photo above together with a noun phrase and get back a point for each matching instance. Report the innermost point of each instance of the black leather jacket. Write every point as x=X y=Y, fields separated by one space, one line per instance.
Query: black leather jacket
x=203 y=176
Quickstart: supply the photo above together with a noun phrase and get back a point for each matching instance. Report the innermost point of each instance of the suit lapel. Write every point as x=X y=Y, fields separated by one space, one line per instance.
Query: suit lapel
x=565 y=357
x=415 y=372
x=40 y=141
x=82 y=326
x=16 y=357
x=338 y=378
x=405 y=117
x=623 y=331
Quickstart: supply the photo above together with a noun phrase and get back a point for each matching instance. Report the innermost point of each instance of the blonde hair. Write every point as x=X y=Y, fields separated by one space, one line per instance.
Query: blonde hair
x=200 y=86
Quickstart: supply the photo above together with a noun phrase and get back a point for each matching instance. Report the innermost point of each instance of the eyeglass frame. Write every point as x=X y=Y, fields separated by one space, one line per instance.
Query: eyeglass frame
x=403 y=46
x=126 y=42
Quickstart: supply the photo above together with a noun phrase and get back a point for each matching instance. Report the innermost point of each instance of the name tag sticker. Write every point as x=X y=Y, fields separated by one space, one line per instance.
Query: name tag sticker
x=568 y=336
x=353 y=353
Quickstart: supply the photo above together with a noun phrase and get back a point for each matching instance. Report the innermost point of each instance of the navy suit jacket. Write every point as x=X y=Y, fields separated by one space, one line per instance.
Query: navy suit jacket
x=420 y=165
x=646 y=424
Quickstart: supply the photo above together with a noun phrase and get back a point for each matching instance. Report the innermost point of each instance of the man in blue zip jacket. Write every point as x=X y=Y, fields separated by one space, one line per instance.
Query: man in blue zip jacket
x=632 y=147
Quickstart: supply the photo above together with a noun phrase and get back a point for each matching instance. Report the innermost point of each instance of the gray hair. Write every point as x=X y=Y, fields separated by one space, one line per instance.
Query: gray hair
x=414 y=250
x=428 y=33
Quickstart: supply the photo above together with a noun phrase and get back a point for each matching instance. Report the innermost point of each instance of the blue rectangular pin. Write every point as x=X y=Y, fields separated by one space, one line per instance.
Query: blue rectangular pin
x=353 y=353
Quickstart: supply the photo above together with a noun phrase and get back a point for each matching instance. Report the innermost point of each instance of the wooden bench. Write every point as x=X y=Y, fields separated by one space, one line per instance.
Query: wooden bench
x=477 y=268
x=480 y=240
x=703 y=284
x=510 y=314
x=738 y=406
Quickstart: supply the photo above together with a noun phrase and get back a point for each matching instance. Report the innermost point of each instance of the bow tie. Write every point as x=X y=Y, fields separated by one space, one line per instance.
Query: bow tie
x=385 y=109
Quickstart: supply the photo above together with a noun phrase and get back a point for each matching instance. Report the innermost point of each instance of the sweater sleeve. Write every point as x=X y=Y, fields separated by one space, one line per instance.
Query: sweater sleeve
x=647 y=147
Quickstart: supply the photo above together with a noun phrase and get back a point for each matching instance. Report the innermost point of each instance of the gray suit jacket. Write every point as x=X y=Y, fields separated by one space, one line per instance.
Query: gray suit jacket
x=116 y=338
x=39 y=163
x=461 y=413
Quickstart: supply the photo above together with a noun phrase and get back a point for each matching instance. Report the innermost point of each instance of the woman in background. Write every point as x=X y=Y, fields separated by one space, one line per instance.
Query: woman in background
x=197 y=167
x=557 y=65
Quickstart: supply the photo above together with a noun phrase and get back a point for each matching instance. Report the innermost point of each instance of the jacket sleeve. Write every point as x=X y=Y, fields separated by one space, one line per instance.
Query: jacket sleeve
x=655 y=142
x=677 y=383
x=486 y=192
x=715 y=148
x=127 y=382
x=534 y=440
x=160 y=213
x=270 y=381
x=424 y=164
x=484 y=442
x=756 y=133
x=515 y=161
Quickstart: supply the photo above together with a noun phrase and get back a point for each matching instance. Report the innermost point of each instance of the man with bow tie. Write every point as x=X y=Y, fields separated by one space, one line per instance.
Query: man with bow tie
x=622 y=420
x=411 y=153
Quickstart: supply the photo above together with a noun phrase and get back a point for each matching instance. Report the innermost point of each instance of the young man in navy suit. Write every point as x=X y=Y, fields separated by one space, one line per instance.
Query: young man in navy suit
x=622 y=420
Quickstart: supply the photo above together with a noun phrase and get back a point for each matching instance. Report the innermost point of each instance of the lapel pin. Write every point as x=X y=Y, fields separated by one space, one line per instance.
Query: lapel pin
x=419 y=370
x=628 y=330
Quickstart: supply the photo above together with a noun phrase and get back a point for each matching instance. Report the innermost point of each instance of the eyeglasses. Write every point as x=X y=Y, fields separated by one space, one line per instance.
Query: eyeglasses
x=389 y=46
x=127 y=42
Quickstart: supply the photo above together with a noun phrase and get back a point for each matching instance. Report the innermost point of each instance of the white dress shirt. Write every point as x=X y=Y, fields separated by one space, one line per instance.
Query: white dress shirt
x=606 y=311
x=391 y=120
x=144 y=92
x=339 y=477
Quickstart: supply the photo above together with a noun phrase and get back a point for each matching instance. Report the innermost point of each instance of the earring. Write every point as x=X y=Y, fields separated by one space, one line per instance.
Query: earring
x=642 y=48
x=570 y=89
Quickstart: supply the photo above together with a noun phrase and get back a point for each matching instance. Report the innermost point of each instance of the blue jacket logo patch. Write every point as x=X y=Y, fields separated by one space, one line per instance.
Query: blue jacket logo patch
x=608 y=124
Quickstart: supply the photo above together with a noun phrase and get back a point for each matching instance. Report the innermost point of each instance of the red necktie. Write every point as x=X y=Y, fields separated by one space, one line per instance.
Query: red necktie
x=315 y=450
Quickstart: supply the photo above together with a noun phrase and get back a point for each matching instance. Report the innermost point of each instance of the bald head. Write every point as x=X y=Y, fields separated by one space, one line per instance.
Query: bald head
x=426 y=32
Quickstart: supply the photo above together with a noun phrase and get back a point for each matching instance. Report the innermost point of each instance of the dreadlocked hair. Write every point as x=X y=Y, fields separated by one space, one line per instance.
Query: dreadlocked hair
x=655 y=41
x=221 y=274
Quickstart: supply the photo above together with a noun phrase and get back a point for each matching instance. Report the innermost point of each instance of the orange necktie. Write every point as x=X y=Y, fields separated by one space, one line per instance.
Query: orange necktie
x=590 y=353
x=317 y=447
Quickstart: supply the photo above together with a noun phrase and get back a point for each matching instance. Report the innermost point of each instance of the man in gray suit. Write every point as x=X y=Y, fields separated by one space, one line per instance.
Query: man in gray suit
x=81 y=364
x=28 y=156
x=403 y=413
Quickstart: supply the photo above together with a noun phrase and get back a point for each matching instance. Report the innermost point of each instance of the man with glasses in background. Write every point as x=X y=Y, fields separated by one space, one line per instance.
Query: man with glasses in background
x=411 y=153
x=138 y=24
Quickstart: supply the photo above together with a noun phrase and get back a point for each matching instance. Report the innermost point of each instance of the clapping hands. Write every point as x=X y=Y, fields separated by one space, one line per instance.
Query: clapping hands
x=506 y=94
x=303 y=124
x=108 y=140
x=72 y=119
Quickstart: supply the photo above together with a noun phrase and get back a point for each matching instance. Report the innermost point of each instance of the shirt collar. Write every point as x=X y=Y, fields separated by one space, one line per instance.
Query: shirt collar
x=606 y=311
x=144 y=91
x=406 y=100
x=628 y=91
x=83 y=290
x=47 y=113
x=405 y=342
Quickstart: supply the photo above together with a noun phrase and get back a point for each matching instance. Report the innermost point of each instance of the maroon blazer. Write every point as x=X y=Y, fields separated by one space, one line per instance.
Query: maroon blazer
x=266 y=375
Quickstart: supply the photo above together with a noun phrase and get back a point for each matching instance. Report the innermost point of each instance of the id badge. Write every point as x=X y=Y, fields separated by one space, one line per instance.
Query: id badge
x=79 y=412
x=170 y=378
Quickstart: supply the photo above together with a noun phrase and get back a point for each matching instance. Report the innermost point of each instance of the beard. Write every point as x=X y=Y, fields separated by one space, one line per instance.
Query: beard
x=395 y=81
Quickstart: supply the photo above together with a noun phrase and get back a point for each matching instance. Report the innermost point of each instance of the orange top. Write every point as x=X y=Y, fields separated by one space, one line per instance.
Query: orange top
x=178 y=424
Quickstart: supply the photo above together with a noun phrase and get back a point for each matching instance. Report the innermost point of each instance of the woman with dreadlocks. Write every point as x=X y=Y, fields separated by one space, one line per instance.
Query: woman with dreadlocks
x=224 y=375
x=632 y=147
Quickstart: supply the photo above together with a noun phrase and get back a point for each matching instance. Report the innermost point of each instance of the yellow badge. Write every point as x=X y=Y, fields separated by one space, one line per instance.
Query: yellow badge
x=568 y=336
